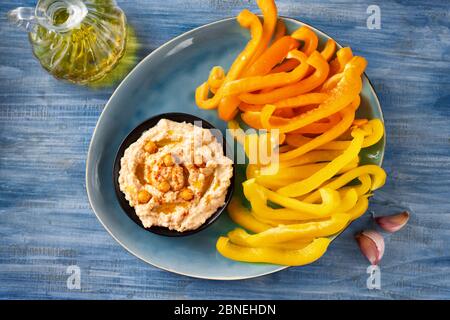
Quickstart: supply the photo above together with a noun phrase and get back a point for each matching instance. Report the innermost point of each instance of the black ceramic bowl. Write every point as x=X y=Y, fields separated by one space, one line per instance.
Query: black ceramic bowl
x=135 y=135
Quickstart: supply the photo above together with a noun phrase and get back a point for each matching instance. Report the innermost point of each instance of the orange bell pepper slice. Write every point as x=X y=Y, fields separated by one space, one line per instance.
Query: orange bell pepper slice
x=216 y=77
x=247 y=20
x=270 y=15
x=253 y=119
x=285 y=66
x=294 y=102
x=343 y=56
x=280 y=30
x=271 y=80
x=345 y=92
x=316 y=79
x=272 y=56
x=289 y=64
x=302 y=100
x=309 y=38
x=327 y=136
x=329 y=49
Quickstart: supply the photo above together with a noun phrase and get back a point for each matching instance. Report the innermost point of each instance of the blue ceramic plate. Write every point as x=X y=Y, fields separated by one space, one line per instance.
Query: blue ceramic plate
x=165 y=81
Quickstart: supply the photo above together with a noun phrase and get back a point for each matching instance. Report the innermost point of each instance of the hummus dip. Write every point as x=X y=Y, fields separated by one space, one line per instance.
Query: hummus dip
x=175 y=175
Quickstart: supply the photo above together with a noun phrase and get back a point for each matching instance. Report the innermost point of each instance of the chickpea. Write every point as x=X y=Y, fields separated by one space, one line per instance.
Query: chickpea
x=164 y=186
x=187 y=194
x=168 y=160
x=150 y=147
x=144 y=196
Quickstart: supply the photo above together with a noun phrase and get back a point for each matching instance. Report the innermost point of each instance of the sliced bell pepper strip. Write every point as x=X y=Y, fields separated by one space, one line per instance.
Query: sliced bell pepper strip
x=313 y=81
x=216 y=76
x=302 y=187
x=254 y=83
x=377 y=174
x=289 y=64
x=286 y=176
x=253 y=119
x=280 y=30
x=272 y=56
x=228 y=107
x=331 y=82
x=362 y=188
x=374 y=127
x=248 y=20
x=360 y=208
x=359 y=122
x=320 y=126
x=330 y=201
x=302 y=100
x=343 y=56
x=242 y=217
x=270 y=15
x=298 y=257
x=377 y=132
x=308 y=37
x=297 y=210
x=329 y=49
x=237 y=234
x=294 y=102
x=333 y=133
x=349 y=199
x=310 y=157
x=345 y=92
x=307 y=230
x=286 y=66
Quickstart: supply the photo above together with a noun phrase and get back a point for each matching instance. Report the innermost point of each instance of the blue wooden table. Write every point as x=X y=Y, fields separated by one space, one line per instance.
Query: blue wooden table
x=46 y=224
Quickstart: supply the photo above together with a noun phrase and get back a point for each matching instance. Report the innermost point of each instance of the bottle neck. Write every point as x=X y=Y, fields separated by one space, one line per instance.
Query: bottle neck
x=60 y=15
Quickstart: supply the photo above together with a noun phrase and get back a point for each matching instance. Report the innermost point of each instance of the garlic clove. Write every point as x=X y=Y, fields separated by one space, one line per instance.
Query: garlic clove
x=394 y=222
x=371 y=244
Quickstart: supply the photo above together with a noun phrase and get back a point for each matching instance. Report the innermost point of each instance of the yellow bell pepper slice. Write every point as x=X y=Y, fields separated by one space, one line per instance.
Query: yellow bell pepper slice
x=294 y=209
x=284 y=233
x=285 y=176
x=248 y=20
x=330 y=201
x=242 y=217
x=349 y=199
x=288 y=257
x=310 y=157
x=377 y=173
x=238 y=234
x=362 y=188
x=302 y=187
x=360 y=208
x=377 y=132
